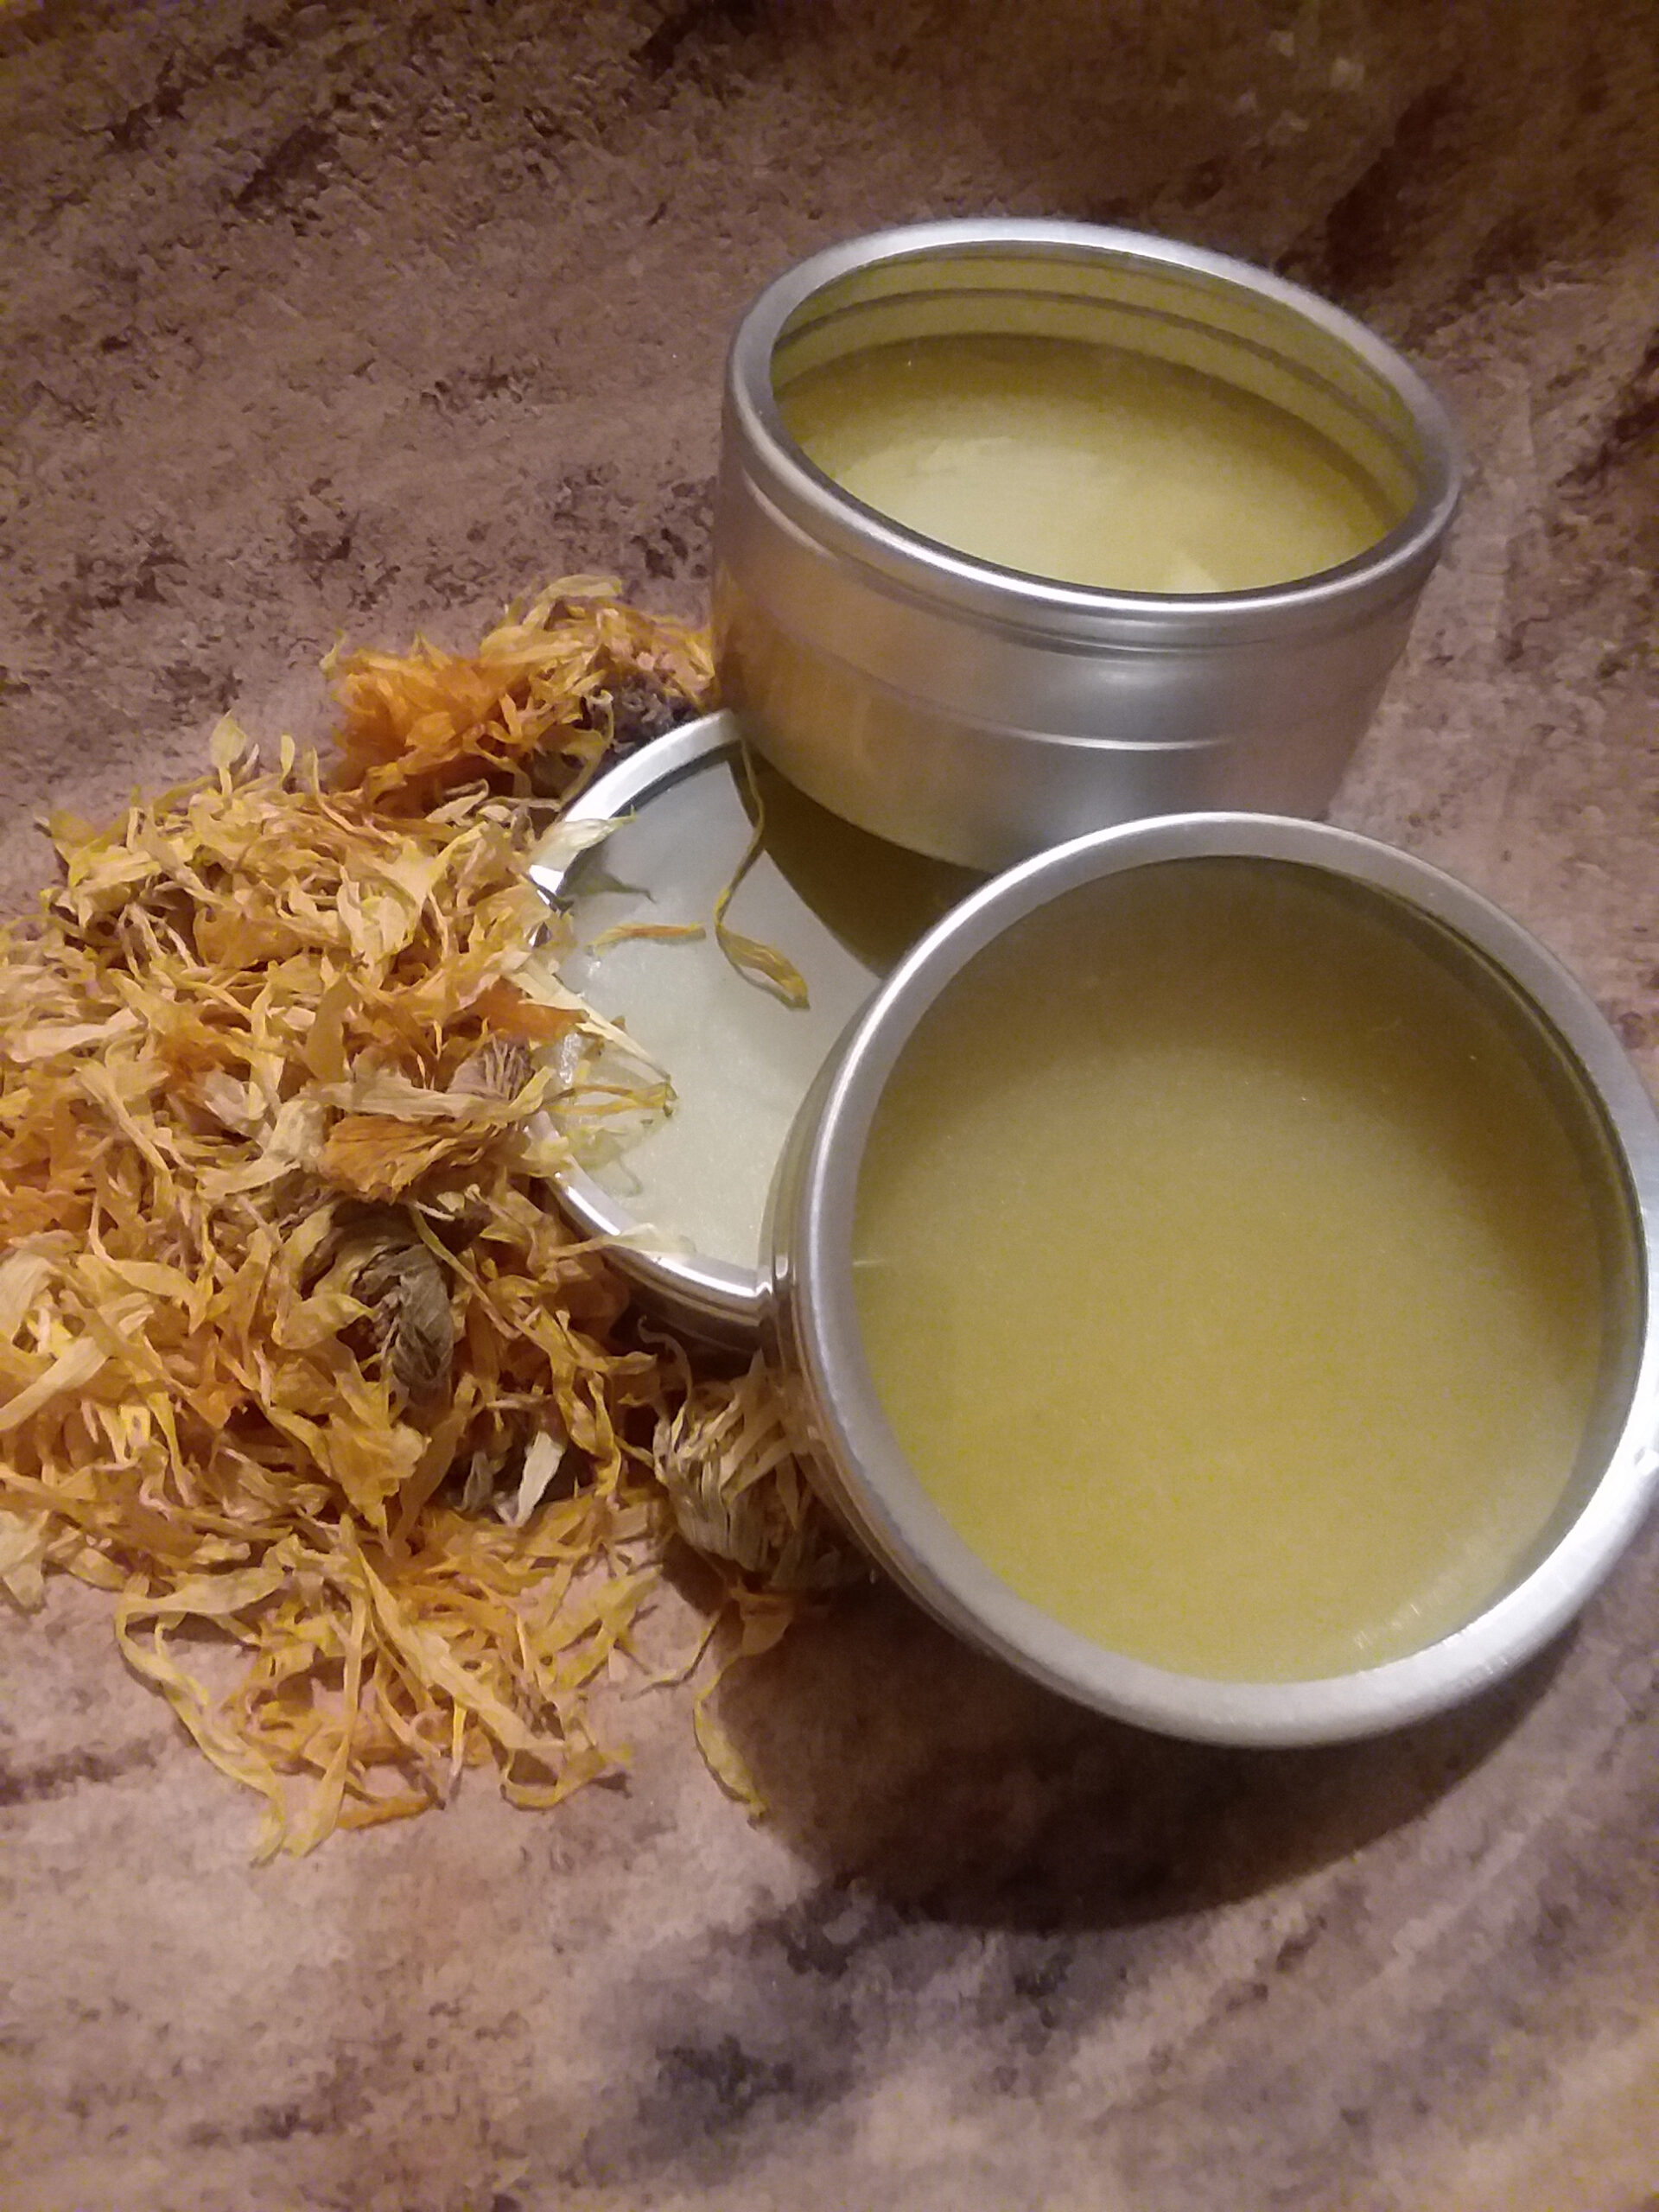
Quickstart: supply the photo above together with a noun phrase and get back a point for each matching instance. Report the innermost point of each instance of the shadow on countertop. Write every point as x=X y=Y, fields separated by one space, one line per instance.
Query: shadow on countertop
x=892 y=1756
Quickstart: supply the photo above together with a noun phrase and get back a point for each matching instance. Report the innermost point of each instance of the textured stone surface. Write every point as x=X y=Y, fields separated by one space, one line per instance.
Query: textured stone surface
x=351 y=317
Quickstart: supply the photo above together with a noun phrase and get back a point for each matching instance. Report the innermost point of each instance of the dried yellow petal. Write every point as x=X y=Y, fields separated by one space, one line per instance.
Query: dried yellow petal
x=282 y=1068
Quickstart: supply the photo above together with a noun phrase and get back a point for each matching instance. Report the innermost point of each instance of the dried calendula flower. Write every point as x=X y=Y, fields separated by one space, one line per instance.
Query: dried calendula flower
x=537 y=707
x=382 y=1260
x=282 y=1074
x=498 y=1069
x=726 y=1457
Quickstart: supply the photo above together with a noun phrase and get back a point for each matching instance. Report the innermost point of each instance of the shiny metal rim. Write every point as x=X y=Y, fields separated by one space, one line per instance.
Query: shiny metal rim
x=815 y=1329
x=784 y=476
x=711 y=1298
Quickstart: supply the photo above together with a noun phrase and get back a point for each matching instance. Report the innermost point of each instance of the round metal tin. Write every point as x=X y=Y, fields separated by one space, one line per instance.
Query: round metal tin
x=981 y=713
x=840 y=904
x=857 y=1461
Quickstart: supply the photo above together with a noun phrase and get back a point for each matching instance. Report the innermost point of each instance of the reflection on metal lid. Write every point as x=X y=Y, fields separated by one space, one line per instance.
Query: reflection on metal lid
x=690 y=1195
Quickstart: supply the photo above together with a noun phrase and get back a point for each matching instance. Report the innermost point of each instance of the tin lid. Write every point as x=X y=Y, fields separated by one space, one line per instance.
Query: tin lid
x=685 y=1201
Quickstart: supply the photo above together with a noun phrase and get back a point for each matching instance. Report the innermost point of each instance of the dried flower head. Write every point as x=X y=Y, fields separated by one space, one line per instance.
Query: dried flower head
x=283 y=1071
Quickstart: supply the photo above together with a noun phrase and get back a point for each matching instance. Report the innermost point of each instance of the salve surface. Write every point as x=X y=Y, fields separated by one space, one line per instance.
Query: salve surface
x=1085 y=464
x=1228 y=1276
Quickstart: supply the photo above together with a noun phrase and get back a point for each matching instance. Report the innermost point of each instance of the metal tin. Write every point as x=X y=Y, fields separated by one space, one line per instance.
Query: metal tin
x=844 y=906
x=858 y=1463
x=980 y=714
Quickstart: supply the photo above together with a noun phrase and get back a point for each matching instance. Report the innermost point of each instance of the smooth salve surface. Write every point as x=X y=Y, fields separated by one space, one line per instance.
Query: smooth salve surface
x=1085 y=464
x=1228 y=1276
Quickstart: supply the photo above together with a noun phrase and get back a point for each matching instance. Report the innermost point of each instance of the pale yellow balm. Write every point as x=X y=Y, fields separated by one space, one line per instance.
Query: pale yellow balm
x=1085 y=464
x=1228 y=1275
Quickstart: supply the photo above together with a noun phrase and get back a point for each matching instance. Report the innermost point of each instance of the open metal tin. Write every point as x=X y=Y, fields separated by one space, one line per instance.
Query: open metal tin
x=814 y=1330
x=981 y=713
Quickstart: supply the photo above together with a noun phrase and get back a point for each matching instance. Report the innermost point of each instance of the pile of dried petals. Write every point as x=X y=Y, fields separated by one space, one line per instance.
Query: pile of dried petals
x=292 y=1347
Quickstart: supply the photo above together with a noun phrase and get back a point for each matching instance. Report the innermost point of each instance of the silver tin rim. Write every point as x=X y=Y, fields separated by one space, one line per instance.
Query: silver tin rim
x=710 y=1298
x=814 y=1334
x=1393 y=568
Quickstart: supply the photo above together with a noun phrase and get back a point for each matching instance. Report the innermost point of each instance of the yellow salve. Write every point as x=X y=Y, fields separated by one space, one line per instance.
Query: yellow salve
x=1228 y=1275
x=1085 y=464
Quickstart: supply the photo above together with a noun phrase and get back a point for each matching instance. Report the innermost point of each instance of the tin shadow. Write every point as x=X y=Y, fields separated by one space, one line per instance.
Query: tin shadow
x=893 y=1756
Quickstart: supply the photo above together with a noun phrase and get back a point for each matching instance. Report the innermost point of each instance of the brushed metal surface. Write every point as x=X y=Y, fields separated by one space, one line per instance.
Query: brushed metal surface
x=844 y=906
x=980 y=714
x=814 y=1336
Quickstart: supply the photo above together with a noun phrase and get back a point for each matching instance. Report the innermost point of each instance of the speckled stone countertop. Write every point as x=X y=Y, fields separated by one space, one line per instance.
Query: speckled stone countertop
x=326 y=317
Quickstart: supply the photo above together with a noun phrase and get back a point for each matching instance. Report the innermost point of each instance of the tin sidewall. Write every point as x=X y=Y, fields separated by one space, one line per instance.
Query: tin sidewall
x=813 y=1331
